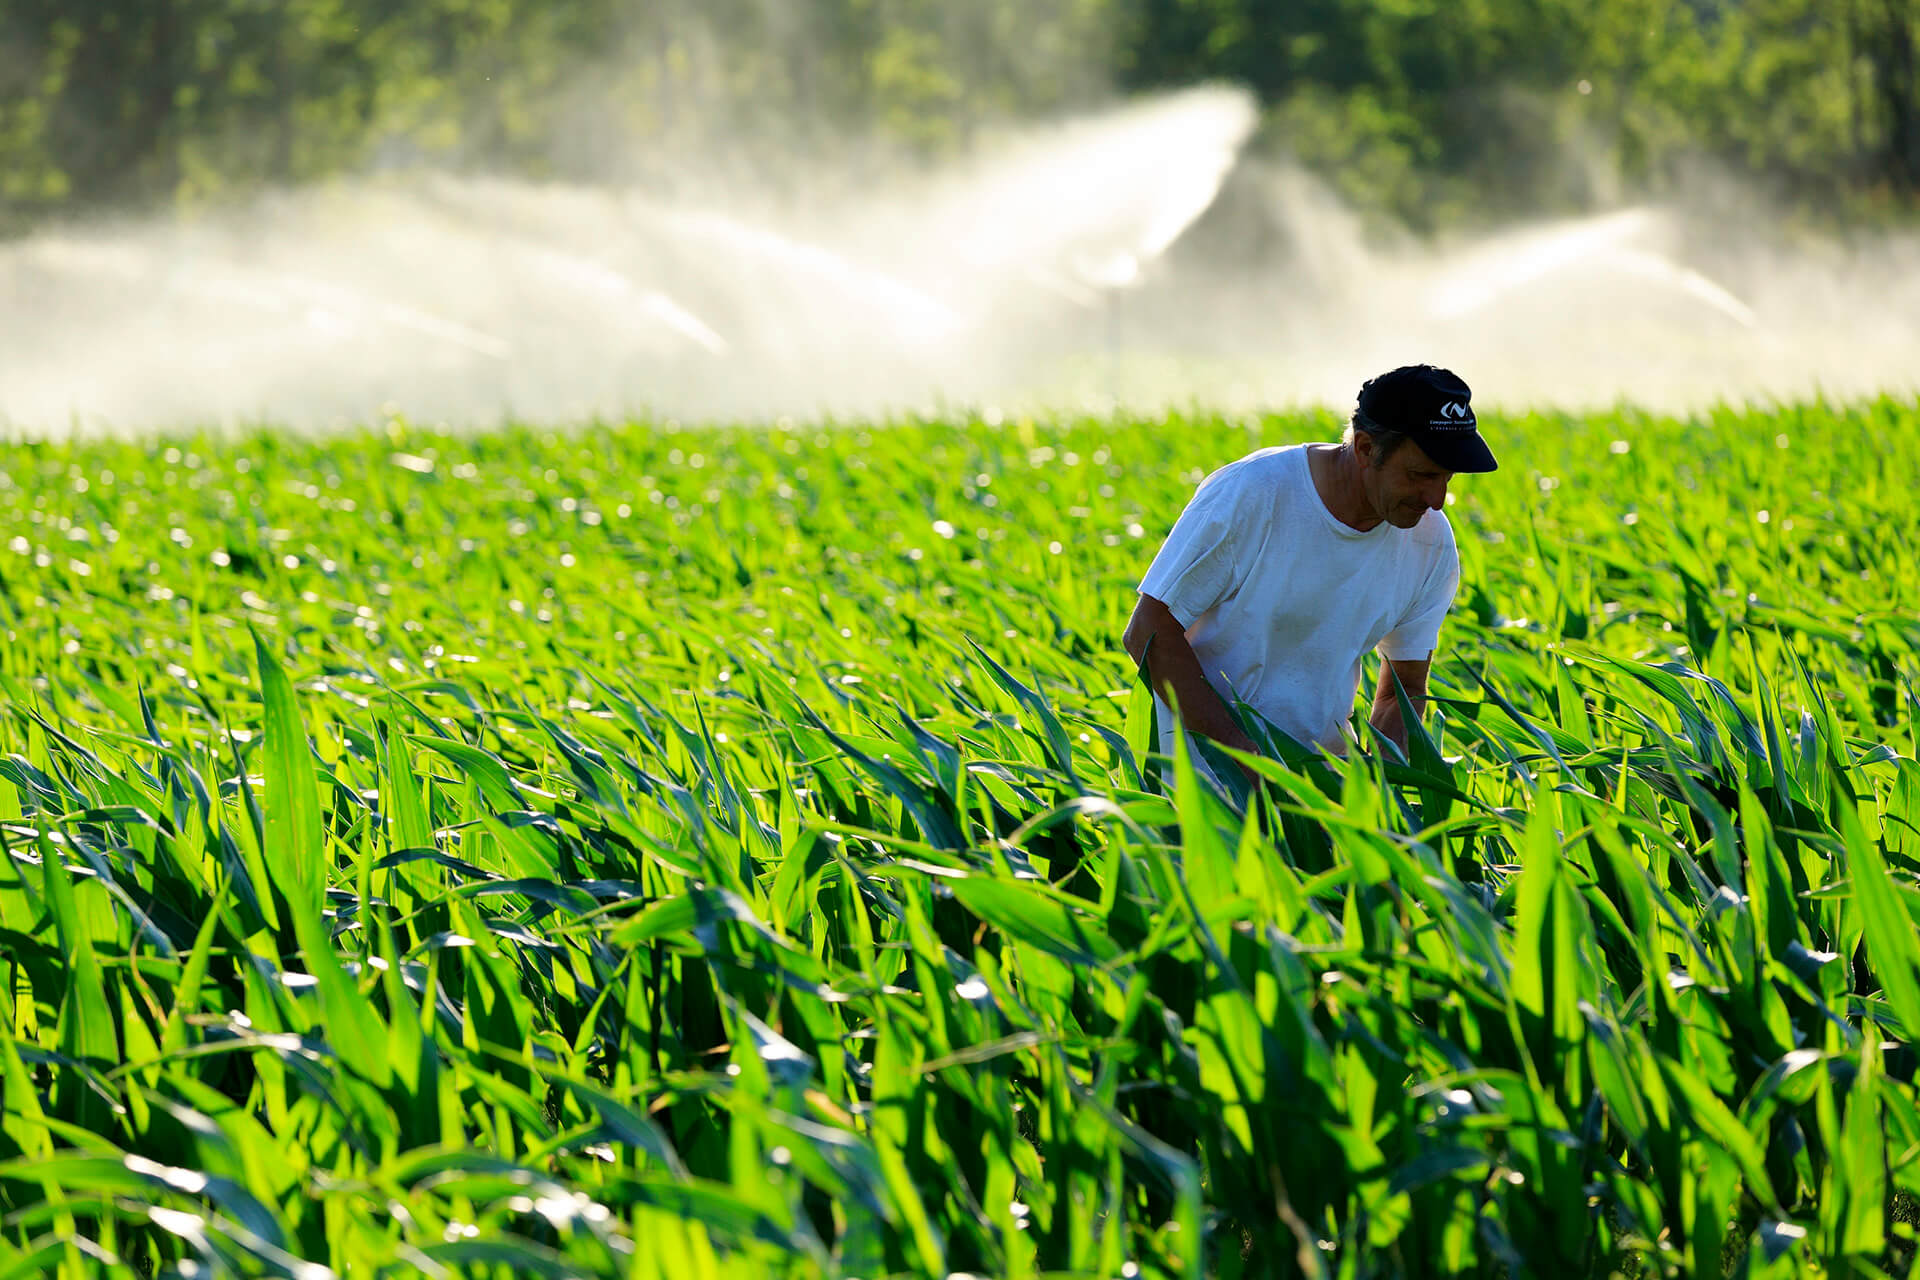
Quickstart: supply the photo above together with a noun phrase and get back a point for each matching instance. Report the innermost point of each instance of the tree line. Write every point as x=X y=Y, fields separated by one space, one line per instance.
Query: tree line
x=1433 y=110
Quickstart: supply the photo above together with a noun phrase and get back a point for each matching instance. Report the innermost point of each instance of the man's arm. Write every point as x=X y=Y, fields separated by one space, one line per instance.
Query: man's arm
x=1175 y=673
x=1386 y=706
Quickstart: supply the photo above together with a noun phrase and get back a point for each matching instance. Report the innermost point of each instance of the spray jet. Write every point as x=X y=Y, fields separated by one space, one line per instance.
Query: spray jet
x=1078 y=210
x=1596 y=246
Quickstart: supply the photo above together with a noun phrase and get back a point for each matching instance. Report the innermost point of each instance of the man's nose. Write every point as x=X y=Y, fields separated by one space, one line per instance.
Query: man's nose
x=1438 y=498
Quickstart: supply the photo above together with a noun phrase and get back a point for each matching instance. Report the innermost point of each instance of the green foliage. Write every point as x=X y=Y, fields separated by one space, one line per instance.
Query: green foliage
x=150 y=101
x=1444 y=112
x=1436 y=113
x=711 y=852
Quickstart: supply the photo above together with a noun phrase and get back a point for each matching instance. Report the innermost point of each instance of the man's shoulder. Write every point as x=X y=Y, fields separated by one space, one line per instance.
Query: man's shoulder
x=1261 y=468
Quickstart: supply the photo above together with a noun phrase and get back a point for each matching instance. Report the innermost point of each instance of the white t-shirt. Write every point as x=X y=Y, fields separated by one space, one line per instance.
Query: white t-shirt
x=1281 y=601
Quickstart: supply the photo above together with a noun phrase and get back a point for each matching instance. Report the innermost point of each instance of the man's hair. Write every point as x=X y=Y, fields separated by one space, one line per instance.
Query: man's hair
x=1386 y=442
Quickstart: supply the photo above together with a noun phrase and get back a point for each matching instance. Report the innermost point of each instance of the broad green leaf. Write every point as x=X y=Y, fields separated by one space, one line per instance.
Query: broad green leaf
x=295 y=846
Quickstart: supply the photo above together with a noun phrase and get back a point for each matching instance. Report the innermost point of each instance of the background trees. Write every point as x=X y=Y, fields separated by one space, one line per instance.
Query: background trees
x=1434 y=110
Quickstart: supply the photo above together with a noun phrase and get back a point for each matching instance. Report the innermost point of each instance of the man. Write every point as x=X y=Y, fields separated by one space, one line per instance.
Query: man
x=1293 y=563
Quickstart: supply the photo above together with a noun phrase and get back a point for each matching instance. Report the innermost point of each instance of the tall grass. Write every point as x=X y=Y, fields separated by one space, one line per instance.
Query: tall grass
x=657 y=852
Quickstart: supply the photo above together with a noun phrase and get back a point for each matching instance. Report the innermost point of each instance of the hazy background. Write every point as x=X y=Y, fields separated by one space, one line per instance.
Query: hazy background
x=315 y=211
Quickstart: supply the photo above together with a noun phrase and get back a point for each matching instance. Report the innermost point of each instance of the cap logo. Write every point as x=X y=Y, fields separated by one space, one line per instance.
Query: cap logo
x=1454 y=416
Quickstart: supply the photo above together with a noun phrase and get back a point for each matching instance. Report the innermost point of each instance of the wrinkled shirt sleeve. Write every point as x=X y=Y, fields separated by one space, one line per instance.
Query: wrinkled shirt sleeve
x=1197 y=567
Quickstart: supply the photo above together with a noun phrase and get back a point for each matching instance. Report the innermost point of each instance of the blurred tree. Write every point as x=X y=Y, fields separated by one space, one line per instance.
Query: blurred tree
x=1887 y=35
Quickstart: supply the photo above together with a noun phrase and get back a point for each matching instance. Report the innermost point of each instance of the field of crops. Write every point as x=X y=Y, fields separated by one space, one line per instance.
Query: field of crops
x=656 y=852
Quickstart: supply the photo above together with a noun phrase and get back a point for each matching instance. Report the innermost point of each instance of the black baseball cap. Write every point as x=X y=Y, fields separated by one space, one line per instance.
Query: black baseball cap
x=1433 y=408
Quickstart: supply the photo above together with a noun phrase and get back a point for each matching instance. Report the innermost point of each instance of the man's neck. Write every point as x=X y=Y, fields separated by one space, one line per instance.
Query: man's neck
x=1336 y=477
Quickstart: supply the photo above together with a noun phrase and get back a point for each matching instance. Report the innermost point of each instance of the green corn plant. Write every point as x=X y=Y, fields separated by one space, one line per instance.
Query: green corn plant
x=636 y=850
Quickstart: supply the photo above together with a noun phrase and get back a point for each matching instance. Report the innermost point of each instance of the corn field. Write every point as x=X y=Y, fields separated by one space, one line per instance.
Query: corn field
x=644 y=851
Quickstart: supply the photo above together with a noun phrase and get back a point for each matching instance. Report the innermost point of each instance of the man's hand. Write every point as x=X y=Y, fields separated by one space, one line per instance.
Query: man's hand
x=1386 y=715
x=1175 y=673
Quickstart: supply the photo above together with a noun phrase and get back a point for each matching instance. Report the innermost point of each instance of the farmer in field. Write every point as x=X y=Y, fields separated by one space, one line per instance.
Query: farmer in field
x=1290 y=565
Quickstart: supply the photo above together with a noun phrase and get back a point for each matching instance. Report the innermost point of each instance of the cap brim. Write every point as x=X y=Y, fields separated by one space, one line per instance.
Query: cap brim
x=1459 y=451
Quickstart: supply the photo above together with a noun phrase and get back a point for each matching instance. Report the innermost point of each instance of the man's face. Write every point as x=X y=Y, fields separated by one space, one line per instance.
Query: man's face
x=1405 y=486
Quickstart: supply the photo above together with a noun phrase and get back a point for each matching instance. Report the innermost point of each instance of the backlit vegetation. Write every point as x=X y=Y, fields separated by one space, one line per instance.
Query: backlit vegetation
x=658 y=852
